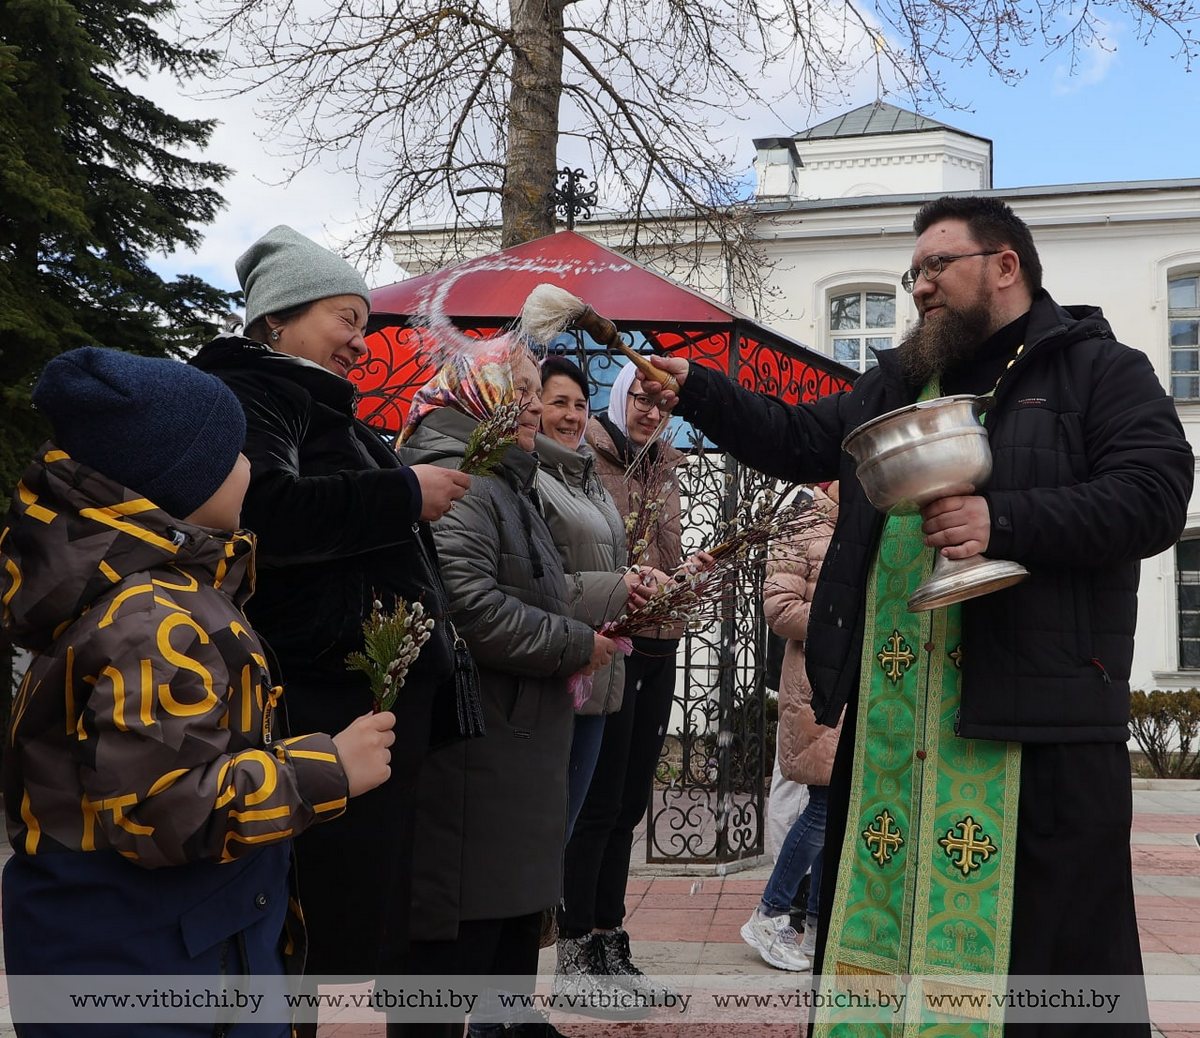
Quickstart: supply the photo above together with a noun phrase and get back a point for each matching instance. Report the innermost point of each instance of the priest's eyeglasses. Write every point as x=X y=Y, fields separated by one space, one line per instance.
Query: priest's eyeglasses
x=932 y=267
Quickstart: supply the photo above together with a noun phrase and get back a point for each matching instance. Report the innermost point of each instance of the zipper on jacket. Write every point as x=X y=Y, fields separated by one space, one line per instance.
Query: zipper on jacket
x=1100 y=667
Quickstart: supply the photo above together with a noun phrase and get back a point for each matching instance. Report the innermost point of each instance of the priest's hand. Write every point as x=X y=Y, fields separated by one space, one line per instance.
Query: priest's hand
x=664 y=398
x=958 y=527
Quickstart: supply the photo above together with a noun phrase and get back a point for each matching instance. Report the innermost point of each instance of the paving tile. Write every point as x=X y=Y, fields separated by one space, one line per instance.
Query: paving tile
x=1168 y=963
x=1171 y=886
x=1167 y=859
x=730 y=916
x=1166 y=824
x=1155 y=836
x=723 y=953
x=1171 y=908
x=730 y=932
x=683 y=885
x=669 y=924
x=703 y=900
x=742 y=902
x=742 y=886
x=1164 y=927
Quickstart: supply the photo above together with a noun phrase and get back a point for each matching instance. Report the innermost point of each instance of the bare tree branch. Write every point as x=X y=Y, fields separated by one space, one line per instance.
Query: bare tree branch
x=454 y=113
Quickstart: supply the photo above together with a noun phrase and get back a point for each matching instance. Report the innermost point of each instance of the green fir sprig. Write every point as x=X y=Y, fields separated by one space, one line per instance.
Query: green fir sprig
x=392 y=641
x=490 y=439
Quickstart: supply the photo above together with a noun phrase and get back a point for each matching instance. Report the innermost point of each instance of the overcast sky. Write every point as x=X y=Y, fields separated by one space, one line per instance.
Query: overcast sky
x=1122 y=116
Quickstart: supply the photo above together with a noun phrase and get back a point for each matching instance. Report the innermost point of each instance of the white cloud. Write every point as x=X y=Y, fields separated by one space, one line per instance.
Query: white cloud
x=321 y=202
x=1093 y=63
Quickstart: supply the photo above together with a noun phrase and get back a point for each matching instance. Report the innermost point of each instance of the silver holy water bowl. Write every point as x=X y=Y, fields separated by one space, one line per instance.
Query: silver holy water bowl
x=918 y=454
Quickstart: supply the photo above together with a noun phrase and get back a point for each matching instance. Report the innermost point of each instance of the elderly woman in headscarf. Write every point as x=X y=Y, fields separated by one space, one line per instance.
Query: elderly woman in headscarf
x=491 y=812
x=637 y=467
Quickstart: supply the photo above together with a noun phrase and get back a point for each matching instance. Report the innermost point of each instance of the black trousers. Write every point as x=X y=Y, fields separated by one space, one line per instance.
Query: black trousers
x=507 y=947
x=1073 y=864
x=355 y=872
x=596 y=863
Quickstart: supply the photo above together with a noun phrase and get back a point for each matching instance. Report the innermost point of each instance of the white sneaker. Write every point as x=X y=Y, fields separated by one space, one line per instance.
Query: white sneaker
x=776 y=941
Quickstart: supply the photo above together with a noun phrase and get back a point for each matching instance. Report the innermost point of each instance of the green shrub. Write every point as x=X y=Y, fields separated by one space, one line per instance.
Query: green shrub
x=1166 y=725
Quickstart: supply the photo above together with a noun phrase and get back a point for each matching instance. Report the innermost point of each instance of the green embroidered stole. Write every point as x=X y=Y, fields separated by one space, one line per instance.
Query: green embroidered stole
x=924 y=887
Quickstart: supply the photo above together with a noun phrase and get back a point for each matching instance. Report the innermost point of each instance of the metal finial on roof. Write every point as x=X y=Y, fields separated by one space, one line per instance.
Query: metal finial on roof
x=571 y=199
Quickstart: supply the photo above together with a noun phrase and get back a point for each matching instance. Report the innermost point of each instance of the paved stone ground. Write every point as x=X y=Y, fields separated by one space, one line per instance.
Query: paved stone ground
x=687 y=924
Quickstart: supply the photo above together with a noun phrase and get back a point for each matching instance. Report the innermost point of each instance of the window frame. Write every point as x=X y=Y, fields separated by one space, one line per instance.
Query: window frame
x=862 y=289
x=1189 y=313
x=1190 y=537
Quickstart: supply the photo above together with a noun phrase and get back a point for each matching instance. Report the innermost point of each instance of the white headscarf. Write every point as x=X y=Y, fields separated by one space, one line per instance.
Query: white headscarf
x=619 y=396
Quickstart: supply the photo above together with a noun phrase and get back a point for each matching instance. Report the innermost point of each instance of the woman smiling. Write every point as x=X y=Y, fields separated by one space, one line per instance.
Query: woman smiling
x=340 y=524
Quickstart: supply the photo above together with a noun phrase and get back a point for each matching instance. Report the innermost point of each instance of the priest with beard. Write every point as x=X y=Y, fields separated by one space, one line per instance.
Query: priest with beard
x=980 y=804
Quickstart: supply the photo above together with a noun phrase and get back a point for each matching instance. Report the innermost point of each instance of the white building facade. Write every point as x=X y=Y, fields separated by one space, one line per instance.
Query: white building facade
x=835 y=210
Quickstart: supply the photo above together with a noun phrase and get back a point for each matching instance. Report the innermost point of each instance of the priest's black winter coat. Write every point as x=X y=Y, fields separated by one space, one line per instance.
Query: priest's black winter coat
x=1091 y=474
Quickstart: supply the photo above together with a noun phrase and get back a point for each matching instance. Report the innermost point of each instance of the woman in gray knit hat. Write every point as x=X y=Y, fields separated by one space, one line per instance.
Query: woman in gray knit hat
x=340 y=524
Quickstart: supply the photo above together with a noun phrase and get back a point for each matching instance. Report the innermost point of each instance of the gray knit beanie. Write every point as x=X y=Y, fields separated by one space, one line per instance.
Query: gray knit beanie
x=166 y=430
x=285 y=269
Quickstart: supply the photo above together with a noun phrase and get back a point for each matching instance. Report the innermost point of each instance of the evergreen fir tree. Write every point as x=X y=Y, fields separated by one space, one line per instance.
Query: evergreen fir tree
x=94 y=179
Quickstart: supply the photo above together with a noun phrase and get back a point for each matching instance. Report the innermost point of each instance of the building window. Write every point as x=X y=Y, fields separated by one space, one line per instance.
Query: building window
x=1183 y=315
x=1187 y=583
x=861 y=321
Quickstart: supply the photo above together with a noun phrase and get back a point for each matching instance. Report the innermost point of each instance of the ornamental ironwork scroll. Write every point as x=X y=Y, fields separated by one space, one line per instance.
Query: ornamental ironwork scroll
x=708 y=796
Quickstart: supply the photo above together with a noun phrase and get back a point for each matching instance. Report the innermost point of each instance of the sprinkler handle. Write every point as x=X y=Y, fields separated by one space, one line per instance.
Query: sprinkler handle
x=605 y=332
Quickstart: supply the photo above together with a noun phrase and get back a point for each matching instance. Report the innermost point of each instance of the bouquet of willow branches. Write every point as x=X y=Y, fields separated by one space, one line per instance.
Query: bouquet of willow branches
x=647 y=509
x=490 y=439
x=392 y=642
x=704 y=595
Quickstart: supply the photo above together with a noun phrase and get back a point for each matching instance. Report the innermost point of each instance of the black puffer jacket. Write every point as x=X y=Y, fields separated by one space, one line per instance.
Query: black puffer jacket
x=1091 y=472
x=335 y=514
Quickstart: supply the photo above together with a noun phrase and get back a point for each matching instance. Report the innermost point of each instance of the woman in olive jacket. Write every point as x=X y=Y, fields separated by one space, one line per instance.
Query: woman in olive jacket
x=590 y=536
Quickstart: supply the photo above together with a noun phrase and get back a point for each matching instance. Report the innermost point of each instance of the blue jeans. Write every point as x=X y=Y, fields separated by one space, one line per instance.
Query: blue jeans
x=803 y=849
x=585 y=749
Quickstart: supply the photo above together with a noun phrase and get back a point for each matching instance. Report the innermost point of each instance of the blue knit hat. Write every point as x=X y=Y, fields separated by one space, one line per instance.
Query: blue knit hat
x=166 y=430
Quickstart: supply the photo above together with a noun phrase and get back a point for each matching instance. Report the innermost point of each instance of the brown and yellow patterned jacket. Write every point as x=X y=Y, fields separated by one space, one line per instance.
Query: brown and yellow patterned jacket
x=144 y=724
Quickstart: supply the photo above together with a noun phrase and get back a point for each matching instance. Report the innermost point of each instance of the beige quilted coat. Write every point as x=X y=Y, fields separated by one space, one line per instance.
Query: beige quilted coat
x=806 y=748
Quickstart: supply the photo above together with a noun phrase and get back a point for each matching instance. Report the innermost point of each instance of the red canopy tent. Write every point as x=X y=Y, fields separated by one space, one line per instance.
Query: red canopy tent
x=484 y=294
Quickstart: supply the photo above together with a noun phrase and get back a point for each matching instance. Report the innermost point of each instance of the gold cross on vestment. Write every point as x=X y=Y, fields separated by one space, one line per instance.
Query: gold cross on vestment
x=883 y=840
x=966 y=846
x=895 y=657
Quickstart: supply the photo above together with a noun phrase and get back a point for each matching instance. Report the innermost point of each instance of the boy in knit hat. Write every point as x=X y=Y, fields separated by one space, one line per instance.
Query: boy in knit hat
x=150 y=789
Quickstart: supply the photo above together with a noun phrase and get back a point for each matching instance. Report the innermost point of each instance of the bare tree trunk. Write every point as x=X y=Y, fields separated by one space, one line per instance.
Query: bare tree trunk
x=526 y=208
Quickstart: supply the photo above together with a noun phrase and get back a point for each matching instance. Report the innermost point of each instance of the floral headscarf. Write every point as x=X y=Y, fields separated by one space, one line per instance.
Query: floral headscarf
x=474 y=382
